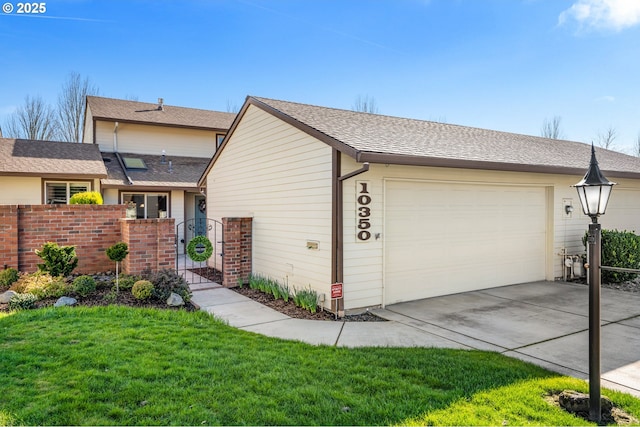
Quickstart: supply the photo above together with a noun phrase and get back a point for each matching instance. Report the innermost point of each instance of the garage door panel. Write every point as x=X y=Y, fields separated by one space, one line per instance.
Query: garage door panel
x=448 y=238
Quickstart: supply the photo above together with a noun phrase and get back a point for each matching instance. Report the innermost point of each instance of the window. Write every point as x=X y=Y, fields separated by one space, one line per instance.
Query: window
x=59 y=193
x=219 y=139
x=148 y=205
x=134 y=163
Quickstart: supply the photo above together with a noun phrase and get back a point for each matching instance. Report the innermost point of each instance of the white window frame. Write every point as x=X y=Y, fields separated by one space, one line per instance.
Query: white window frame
x=146 y=200
x=86 y=184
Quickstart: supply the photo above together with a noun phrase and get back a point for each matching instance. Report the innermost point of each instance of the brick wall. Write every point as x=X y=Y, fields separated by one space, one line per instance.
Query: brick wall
x=236 y=259
x=91 y=228
x=8 y=236
x=151 y=244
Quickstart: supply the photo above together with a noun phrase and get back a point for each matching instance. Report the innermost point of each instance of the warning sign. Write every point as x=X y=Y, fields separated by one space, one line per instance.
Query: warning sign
x=336 y=290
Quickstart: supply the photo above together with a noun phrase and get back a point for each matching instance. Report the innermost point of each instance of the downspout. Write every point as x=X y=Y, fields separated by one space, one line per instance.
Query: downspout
x=115 y=138
x=337 y=275
x=115 y=151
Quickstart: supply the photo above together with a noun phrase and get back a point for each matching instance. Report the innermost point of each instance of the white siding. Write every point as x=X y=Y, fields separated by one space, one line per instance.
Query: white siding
x=623 y=211
x=110 y=196
x=281 y=177
x=177 y=211
x=87 y=136
x=363 y=261
x=148 y=139
x=17 y=190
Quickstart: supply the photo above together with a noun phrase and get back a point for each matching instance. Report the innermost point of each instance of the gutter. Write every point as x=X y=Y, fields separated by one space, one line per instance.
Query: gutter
x=337 y=261
x=124 y=169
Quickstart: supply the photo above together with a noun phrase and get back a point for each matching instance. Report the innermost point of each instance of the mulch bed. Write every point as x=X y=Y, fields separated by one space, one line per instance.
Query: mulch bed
x=100 y=298
x=286 y=307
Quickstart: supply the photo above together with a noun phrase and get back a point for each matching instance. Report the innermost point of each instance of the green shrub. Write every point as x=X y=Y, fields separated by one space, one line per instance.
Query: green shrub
x=254 y=281
x=126 y=282
x=619 y=249
x=142 y=289
x=86 y=198
x=306 y=298
x=22 y=302
x=58 y=260
x=111 y=297
x=117 y=252
x=42 y=285
x=84 y=285
x=167 y=281
x=269 y=286
x=8 y=277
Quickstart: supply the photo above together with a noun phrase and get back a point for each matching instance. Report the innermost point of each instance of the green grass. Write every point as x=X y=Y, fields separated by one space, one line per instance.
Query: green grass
x=125 y=366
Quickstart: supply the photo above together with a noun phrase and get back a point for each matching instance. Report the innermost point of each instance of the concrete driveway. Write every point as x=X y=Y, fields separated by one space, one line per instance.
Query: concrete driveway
x=545 y=323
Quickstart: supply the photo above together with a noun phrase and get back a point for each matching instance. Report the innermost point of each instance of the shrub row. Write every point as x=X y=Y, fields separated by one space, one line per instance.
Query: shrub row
x=41 y=285
x=619 y=249
x=305 y=298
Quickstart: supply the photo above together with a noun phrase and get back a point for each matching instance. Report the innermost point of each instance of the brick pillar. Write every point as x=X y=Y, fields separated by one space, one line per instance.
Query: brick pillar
x=236 y=260
x=151 y=244
x=9 y=236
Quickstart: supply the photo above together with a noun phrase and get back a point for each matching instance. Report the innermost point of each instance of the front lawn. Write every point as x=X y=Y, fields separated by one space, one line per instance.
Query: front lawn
x=132 y=366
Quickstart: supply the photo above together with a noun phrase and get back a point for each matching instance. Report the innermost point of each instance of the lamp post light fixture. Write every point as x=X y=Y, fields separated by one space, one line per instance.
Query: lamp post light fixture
x=594 y=191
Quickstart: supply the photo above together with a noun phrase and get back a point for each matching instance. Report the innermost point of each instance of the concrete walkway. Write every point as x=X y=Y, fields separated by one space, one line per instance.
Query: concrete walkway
x=545 y=323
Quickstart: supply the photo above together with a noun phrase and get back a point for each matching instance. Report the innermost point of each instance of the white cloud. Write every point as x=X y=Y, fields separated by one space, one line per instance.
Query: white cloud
x=606 y=98
x=603 y=14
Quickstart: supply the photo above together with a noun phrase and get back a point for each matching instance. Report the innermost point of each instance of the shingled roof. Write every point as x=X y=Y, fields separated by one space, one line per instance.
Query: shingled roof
x=50 y=159
x=183 y=175
x=394 y=140
x=143 y=112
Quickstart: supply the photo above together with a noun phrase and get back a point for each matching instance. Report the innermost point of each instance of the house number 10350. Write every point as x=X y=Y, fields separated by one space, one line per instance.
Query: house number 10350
x=363 y=216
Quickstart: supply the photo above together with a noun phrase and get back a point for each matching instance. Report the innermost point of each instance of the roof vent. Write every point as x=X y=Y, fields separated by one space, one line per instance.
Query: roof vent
x=160 y=104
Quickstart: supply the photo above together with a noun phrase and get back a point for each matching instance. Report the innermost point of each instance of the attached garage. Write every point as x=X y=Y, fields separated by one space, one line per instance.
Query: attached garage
x=445 y=238
x=399 y=209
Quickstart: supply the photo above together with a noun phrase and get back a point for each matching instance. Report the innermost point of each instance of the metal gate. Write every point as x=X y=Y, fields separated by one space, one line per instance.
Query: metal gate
x=199 y=270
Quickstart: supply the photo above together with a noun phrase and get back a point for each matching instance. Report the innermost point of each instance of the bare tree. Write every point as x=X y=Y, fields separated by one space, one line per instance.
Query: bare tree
x=71 y=104
x=232 y=107
x=365 y=104
x=551 y=128
x=605 y=139
x=34 y=120
x=636 y=146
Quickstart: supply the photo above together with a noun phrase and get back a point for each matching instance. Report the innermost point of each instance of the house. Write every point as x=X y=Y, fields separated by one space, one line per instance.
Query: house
x=399 y=209
x=154 y=154
x=42 y=172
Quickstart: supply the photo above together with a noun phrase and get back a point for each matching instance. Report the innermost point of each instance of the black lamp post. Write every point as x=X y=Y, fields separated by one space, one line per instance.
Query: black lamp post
x=594 y=191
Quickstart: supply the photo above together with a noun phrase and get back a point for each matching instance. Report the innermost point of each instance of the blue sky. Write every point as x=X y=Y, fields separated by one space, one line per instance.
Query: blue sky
x=499 y=64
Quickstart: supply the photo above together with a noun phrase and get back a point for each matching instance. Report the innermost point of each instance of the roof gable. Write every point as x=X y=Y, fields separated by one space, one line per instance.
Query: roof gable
x=50 y=159
x=394 y=140
x=383 y=139
x=147 y=113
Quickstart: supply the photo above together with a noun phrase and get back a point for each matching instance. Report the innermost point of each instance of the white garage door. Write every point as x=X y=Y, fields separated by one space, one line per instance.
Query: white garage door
x=444 y=238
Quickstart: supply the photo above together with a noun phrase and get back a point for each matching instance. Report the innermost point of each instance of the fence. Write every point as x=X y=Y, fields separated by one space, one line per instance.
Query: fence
x=91 y=229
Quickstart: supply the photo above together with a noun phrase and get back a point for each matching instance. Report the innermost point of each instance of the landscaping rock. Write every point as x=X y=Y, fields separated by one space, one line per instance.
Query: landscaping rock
x=575 y=402
x=5 y=297
x=65 y=301
x=175 y=300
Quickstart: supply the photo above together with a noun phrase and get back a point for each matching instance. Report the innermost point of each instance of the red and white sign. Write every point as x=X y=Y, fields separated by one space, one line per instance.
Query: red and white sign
x=336 y=290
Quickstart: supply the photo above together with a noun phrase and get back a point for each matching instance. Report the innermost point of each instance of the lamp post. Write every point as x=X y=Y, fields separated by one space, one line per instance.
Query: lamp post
x=594 y=191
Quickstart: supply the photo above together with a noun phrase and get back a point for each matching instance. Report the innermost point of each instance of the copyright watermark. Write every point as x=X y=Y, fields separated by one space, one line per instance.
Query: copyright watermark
x=25 y=8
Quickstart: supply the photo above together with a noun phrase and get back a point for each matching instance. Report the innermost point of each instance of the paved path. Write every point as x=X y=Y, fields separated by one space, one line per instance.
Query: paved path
x=545 y=323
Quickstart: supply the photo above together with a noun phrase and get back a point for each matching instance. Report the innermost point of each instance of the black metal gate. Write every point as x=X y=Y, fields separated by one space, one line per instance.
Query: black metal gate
x=198 y=268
